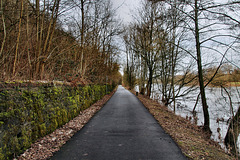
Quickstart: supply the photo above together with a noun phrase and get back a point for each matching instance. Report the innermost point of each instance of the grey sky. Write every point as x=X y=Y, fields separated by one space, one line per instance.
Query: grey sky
x=125 y=8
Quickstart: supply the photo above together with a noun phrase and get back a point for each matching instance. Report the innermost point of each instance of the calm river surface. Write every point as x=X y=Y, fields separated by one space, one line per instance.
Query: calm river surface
x=219 y=108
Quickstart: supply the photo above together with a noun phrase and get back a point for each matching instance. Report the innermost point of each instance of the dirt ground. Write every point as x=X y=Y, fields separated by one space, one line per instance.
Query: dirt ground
x=190 y=138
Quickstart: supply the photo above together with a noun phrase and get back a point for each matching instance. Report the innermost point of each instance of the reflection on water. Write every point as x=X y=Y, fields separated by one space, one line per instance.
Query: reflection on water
x=219 y=108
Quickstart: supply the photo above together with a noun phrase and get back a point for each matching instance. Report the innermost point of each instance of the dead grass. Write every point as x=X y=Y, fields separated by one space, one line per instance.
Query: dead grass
x=189 y=137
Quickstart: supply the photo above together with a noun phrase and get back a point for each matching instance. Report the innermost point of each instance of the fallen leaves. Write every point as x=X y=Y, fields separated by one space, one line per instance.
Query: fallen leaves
x=46 y=146
x=188 y=136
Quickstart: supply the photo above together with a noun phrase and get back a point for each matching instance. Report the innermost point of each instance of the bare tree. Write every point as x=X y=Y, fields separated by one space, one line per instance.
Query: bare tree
x=4 y=28
x=18 y=38
x=206 y=21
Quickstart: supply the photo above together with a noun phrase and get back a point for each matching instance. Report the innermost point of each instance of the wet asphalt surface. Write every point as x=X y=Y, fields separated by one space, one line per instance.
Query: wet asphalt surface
x=122 y=130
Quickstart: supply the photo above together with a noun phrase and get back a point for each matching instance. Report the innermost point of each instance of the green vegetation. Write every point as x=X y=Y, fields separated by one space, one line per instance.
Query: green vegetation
x=28 y=114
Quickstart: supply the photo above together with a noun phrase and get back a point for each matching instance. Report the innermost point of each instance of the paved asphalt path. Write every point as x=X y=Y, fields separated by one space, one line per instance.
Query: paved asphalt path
x=122 y=130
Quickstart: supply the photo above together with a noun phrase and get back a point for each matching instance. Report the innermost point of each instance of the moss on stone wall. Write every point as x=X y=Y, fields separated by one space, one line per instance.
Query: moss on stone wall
x=30 y=113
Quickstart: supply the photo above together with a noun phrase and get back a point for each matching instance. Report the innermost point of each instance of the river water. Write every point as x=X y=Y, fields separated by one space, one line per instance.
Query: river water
x=219 y=108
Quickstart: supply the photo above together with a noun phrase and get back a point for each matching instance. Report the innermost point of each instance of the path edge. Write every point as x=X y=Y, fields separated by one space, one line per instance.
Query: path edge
x=45 y=147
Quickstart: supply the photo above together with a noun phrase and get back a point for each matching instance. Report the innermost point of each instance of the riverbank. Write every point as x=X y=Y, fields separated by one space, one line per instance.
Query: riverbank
x=189 y=137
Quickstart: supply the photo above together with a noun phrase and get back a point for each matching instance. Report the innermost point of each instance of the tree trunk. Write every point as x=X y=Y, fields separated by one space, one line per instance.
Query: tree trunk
x=28 y=48
x=231 y=137
x=149 y=85
x=82 y=36
x=38 y=46
x=50 y=37
x=174 y=56
x=206 y=126
x=4 y=29
x=232 y=134
x=18 y=38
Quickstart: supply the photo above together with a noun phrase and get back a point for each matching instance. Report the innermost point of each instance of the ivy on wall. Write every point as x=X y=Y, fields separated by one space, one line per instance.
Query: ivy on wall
x=28 y=114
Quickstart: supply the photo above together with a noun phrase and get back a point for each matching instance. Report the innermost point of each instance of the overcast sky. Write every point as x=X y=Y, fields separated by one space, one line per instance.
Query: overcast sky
x=125 y=8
